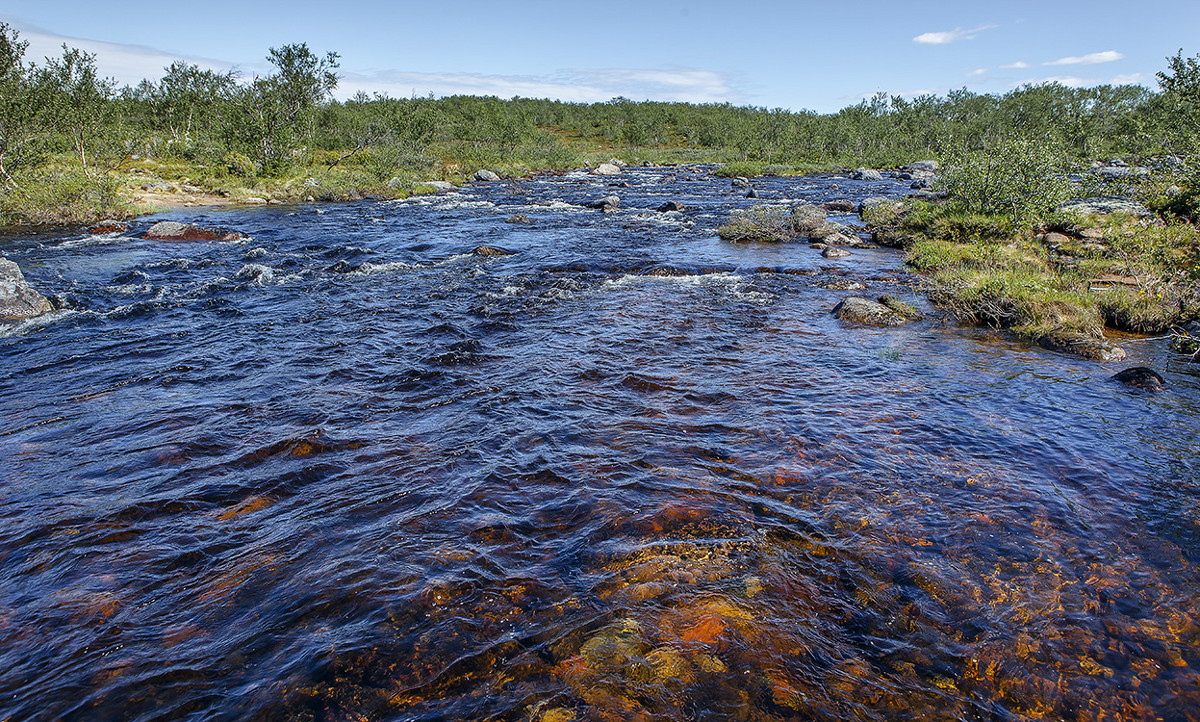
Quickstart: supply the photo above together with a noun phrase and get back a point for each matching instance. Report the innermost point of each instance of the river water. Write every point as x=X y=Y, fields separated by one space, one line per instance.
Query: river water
x=348 y=469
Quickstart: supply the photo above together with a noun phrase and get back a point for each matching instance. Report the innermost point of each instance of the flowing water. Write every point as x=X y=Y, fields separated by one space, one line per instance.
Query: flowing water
x=348 y=469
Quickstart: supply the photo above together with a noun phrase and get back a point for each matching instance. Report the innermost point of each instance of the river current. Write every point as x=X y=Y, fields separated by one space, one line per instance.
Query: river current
x=348 y=469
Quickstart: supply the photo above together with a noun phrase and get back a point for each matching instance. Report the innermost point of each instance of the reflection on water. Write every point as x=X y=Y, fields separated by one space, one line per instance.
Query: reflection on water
x=348 y=469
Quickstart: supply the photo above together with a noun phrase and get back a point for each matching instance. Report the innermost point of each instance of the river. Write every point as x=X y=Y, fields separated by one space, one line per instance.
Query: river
x=349 y=469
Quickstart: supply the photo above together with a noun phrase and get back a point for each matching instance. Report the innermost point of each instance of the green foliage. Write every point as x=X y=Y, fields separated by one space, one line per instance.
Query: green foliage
x=772 y=224
x=240 y=165
x=742 y=169
x=62 y=197
x=1020 y=177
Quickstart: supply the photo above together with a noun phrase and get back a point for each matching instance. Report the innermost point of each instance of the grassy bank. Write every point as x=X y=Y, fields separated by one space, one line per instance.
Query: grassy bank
x=1062 y=281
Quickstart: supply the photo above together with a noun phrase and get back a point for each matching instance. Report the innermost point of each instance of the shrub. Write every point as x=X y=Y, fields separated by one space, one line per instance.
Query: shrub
x=1020 y=178
x=240 y=165
x=63 y=197
x=772 y=224
x=744 y=169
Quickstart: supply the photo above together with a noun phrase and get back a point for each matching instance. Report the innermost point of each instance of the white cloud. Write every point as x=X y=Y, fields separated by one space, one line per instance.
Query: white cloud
x=1129 y=79
x=1019 y=65
x=127 y=64
x=1070 y=81
x=977 y=72
x=1107 y=56
x=587 y=85
x=950 y=36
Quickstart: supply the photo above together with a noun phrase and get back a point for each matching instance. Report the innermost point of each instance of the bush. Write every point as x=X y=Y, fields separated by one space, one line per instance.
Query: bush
x=62 y=198
x=743 y=169
x=240 y=165
x=772 y=224
x=1020 y=178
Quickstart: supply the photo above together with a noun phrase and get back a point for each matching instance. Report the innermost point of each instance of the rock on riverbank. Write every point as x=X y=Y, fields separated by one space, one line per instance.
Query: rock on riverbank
x=18 y=300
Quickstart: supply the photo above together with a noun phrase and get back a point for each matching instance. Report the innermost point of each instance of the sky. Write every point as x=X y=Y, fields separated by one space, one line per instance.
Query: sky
x=793 y=55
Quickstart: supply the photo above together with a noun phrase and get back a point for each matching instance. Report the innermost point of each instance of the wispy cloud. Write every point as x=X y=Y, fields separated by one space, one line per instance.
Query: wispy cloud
x=951 y=36
x=583 y=85
x=1070 y=81
x=127 y=64
x=1129 y=79
x=1019 y=65
x=1107 y=56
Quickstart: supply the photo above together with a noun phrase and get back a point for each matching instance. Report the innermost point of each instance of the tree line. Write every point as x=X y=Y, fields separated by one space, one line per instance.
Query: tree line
x=265 y=126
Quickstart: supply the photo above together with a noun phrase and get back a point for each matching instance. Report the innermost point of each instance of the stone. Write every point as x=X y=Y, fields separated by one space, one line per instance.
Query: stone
x=617 y=162
x=835 y=252
x=492 y=251
x=1119 y=172
x=926 y=195
x=752 y=193
x=19 y=300
x=670 y=206
x=520 y=218
x=1104 y=206
x=919 y=184
x=110 y=226
x=740 y=182
x=808 y=217
x=925 y=165
x=866 y=174
x=878 y=202
x=606 y=169
x=255 y=201
x=176 y=231
x=868 y=313
x=1141 y=377
x=841 y=205
x=484 y=175
x=605 y=203
x=440 y=186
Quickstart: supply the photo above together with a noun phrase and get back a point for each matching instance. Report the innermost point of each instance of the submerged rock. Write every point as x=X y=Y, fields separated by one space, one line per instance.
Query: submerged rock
x=869 y=313
x=492 y=251
x=841 y=205
x=670 y=206
x=176 y=231
x=835 y=252
x=18 y=299
x=1141 y=377
x=1082 y=345
x=485 y=175
x=110 y=226
x=520 y=218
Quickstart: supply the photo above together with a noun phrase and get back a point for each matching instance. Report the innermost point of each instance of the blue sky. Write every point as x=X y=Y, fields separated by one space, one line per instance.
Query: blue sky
x=795 y=55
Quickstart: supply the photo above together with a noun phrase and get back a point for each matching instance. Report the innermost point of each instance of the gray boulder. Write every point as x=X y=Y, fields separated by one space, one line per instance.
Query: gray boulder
x=441 y=186
x=923 y=165
x=808 y=217
x=18 y=299
x=1119 y=172
x=866 y=174
x=868 y=313
x=486 y=175
x=740 y=182
x=1104 y=206
x=607 y=203
x=520 y=219
x=835 y=252
x=1141 y=377
x=176 y=231
x=607 y=169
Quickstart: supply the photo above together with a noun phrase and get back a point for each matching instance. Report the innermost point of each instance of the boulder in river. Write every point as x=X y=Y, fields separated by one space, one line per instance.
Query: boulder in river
x=486 y=175
x=807 y=218
x=835 y=252
x=110 y=226
x=520 y=218
x=866 y=174
x=606 y=169
x=670 y=206
x=1141 y=377
x=492 y=251
x=740 y=182
x=176 y=231
x=869 y=313
x=18 y=299
x=605 y=204
x=841 y=205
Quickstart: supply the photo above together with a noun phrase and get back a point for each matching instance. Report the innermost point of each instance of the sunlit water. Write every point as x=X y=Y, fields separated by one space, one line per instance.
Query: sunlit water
x=347 y=469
